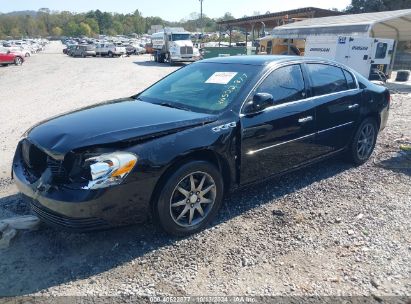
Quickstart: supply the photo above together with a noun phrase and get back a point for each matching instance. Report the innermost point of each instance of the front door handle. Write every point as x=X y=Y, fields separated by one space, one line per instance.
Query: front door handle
x=306 y=119
x=353 y=106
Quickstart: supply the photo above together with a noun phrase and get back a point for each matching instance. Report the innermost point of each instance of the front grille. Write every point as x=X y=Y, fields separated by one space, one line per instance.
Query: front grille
x=58 y=171
x=55 y=219
x=36 y=162
x=34 y=159
x=186 y=50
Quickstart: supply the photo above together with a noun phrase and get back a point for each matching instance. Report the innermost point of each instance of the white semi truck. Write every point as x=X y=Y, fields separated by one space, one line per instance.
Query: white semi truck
x=174 y=45
x=371 y=57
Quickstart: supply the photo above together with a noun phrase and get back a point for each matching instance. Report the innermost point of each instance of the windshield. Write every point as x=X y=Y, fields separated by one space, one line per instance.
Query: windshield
x=201 y=87
x=177 y=37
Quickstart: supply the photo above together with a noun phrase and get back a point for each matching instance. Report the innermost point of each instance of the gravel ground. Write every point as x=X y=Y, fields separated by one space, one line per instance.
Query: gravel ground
x=331 y=229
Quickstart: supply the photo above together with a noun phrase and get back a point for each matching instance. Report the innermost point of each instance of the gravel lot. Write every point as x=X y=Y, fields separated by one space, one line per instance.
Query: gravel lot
x=331 y=229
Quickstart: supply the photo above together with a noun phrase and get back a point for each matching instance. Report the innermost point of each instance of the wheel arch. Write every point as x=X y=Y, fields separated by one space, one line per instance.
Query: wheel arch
x=374 y=115
x=208 y=155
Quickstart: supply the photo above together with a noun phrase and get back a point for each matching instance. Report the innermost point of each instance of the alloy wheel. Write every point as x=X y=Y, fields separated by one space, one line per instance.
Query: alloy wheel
x=193 y=199
x=366 y=141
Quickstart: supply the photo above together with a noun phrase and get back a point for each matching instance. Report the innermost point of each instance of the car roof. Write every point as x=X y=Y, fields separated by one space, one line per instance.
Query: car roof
x=264 y=60
x=253 y=59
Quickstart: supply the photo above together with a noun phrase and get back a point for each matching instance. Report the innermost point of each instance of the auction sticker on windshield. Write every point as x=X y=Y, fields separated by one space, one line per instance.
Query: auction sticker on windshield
x=221 y=77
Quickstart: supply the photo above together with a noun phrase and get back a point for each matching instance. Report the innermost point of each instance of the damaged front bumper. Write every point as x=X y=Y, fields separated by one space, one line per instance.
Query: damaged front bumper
x=82 y=209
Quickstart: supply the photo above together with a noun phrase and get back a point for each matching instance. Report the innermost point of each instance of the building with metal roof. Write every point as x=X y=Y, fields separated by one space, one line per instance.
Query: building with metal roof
x=257 y=24
x=389 y=24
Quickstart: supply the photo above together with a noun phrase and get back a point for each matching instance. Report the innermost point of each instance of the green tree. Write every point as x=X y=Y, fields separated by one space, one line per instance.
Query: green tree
x=57 y=31
x=72 y=29
x=15 y=32
x=118 y=27
x=227 y=16
x=93 y=25
x=366 y=6
x=84 y=29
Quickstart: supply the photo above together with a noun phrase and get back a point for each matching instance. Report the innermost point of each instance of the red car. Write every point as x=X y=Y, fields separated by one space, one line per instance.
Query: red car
x=7 y=58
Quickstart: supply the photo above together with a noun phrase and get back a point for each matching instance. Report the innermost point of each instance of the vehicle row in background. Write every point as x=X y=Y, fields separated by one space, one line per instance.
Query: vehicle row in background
x=103 y=47
x=6 y=58
x=15 y=51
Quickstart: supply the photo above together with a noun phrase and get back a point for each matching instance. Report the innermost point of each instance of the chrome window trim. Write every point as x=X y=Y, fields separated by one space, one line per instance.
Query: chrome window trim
x=301 y=100
x=276 y=66
x=252 y=152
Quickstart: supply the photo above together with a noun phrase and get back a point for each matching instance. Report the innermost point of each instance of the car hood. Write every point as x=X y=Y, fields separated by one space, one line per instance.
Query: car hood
x=111 y=122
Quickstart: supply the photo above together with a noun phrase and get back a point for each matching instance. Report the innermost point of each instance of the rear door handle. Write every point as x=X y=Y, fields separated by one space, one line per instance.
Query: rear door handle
x=354 y=106
x=306 y=119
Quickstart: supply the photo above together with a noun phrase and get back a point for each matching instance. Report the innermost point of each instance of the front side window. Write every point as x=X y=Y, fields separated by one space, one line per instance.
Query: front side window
x=381 y=50
x=286 y=84
x=201 y=87
x=326 y=79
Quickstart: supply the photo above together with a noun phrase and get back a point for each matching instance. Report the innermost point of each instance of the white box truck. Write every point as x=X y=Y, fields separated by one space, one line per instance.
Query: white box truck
x=174 y=45
x=371 y=57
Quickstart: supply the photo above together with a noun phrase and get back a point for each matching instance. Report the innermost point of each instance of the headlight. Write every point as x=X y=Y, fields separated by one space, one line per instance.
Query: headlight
x=110 y=169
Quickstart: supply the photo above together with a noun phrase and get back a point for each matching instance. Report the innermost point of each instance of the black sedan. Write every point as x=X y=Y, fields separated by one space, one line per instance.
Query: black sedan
x=172 y=151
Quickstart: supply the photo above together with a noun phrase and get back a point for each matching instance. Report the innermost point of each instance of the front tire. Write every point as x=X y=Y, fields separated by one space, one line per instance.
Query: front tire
x=363 y=142
x=190 y=198
x=18 y=61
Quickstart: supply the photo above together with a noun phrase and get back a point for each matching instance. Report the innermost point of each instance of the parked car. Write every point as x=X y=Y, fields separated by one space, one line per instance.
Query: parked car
x=140 y=49
x=173 y=150
x=19 y=51
x=6 y=58
x=70 y=49
x=130 y=50
x=84 y=51
x=110 y=50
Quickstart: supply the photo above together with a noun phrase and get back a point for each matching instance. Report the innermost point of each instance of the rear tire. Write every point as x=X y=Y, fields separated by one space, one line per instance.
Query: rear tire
x=190 y=198
x=110 y=54
x=363 y=143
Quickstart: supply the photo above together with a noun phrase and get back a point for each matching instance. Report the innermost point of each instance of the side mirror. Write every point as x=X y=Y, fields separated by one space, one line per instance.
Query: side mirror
x=260 y=102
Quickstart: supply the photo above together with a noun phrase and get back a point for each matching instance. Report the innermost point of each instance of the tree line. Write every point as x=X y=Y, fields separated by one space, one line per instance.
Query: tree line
x=46 y=23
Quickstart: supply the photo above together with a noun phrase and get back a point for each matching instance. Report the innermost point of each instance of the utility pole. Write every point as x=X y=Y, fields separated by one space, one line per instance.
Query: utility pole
x=201 y=18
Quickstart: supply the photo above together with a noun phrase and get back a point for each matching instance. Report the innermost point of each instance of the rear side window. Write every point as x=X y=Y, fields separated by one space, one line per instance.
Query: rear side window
x=326 y=79
x=350 y=80
x=286 y=84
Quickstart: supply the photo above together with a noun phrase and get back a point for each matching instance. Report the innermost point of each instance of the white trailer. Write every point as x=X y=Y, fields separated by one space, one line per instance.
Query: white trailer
x=371 y=57
x=174 y=45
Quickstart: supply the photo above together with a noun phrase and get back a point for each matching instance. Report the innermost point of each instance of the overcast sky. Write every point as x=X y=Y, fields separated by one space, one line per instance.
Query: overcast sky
x=172 y=10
